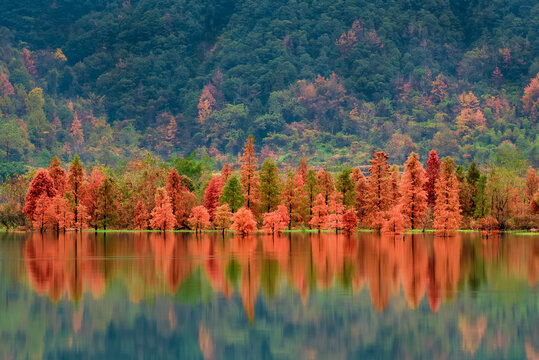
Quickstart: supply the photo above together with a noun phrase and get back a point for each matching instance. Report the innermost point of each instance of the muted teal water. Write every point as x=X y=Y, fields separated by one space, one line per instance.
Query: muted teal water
x=145 y=296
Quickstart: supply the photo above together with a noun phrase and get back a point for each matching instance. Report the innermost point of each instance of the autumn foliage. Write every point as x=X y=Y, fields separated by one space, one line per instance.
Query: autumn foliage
x=42 y=184
x=244 y=221
x=276 y=221
x=212 y=194
x=200 y=218
x=141 y=216
x=162 y=215
x=447 y=207
x=222 y=217
x=378 y=193
x=249 y=177
x=319 y=218
x=413 y=200
x=432 y=172
x=350 y=221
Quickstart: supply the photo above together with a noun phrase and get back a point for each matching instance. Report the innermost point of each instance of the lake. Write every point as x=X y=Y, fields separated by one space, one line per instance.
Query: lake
x=300 y=296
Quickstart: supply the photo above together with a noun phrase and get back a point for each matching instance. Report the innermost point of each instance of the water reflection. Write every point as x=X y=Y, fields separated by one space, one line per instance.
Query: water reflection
x=152 y=263
x=466 y=283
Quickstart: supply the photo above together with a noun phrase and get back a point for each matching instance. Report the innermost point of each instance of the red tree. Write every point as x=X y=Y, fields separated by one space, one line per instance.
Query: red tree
x=325 y=183
x=432 y=172
x=174 y=188
x=336 y=209
x=162 y=215
x=141 y=216
x=76 y=132
x=395 y=223
x=200 y=218
x=532 y=182
x=244 y=221
x=222 y=217
x=276 y=221
x=58 y=175
x=413 y=195
x=350 y=221
x=59 y=215
x=81 y=218
x=320 y=213
x=212 y=194
x=303 y=169
x=447 y=207
x=206 y=103
x=394 y=181
x=249 y=178
x=531 y=97
x=91 y=195
x=42 y=183
x=293 y=198
x=181 y=199
x=28 y=62
x=5 y=86
x=361 y=195
x=40 y=215
x=226 y=171
x=378 y=195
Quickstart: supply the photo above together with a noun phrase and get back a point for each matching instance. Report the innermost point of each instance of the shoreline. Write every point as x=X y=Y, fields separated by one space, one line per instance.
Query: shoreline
x=301 y=231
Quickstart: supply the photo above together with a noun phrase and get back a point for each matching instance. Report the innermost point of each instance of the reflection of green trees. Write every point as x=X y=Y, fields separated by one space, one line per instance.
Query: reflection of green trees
x=233 y=272
x=269 y=277
x=196 y=288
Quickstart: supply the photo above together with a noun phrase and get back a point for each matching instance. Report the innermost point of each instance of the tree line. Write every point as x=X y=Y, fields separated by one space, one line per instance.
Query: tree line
x=148 y=194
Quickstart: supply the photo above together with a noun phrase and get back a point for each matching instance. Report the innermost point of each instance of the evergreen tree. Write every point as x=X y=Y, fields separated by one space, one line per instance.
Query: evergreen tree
x=107 y=203
x=481 y=199
x=346 y=187
x=270 y=187
x=232 y=194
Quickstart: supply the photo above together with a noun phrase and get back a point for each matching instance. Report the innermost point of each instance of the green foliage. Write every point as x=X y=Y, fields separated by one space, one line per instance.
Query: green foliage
x=232 y=194
x=270 y=186
x=317 y=79
x=346 y=187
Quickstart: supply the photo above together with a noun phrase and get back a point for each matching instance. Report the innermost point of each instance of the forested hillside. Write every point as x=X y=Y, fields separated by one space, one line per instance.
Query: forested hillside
x=110 y=80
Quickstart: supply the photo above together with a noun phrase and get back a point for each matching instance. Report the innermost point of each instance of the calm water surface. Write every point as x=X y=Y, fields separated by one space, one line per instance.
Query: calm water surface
x=175 y=295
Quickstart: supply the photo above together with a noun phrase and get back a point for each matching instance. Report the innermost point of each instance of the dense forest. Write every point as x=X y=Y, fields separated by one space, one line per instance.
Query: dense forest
x=150 y=194
x=112 y=80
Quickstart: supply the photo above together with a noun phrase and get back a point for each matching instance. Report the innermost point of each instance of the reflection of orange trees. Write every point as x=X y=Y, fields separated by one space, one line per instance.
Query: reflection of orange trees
x=328 y=257
x=63 y=263
x=381 y=268
x=444 y=269
x=245 y=246
x=413 y=261
x=149 y=264
x=171 y=258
